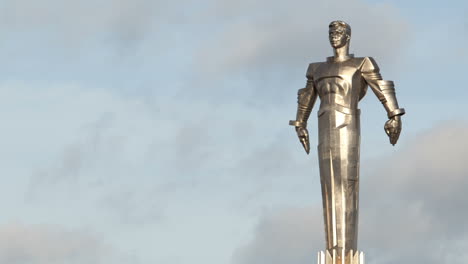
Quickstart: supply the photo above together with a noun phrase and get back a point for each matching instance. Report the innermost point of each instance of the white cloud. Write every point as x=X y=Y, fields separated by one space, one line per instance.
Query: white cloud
x=78 y=20
x=265 y=36
x=69 y=145
x=43 y=244
x=287 y=235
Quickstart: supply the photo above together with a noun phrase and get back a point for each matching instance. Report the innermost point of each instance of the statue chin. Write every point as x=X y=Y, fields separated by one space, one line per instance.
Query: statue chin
x=338 y=45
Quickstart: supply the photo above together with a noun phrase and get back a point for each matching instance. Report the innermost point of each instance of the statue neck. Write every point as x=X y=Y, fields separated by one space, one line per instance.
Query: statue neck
x=341 y=54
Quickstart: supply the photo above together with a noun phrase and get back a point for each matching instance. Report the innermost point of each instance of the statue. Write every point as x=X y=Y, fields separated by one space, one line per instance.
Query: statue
x=341 y=82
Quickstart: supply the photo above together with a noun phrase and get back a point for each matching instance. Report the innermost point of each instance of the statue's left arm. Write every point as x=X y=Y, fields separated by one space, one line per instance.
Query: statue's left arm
x=385 y=91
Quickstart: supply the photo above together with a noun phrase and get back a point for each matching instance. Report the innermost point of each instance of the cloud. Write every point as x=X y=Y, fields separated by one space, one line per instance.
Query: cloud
x=284 y=236
x=79 y=20
x=44 y=244
x=83 y=147
x=424 y=191
x=231 y=50
x=268 y=40
x=411 y=209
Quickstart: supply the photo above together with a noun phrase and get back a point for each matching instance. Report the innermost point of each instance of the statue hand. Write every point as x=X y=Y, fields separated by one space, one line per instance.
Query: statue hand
x=393 y=128
x=303 y=135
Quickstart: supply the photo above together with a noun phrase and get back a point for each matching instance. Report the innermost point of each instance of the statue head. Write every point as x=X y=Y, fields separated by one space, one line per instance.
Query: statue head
x=339 y=34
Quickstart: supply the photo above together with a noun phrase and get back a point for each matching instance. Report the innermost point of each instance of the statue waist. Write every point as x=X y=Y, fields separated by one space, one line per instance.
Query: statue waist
x=337 y=107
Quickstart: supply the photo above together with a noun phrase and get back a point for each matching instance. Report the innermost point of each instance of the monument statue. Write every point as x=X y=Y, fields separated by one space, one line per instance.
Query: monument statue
x=341 y=82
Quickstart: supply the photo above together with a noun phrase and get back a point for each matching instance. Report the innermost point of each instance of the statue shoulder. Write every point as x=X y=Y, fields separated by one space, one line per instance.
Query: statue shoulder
x=368 y=64
x=312 y=68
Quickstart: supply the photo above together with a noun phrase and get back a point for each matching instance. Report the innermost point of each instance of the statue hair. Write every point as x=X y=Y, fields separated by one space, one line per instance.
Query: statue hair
x=341 y=24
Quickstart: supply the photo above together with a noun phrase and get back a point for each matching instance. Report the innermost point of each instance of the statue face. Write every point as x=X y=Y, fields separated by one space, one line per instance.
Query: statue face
x=338 y=37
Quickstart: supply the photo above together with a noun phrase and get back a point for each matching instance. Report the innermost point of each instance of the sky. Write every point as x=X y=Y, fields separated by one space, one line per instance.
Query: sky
x=157 y=131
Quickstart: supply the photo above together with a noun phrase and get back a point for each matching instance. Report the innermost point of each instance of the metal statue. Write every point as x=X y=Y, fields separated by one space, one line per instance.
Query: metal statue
x=341 y=82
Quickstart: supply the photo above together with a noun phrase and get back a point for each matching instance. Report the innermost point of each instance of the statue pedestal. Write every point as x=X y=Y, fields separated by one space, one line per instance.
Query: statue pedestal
x=334 y=257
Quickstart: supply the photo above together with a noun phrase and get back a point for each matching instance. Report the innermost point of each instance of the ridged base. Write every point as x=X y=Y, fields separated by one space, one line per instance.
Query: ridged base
x=333 y=257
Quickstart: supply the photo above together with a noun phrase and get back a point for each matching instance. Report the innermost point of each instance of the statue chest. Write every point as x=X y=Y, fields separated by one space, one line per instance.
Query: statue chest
x=340 y=83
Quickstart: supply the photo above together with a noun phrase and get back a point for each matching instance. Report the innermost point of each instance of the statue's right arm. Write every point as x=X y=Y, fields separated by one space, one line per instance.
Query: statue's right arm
x=306 y=98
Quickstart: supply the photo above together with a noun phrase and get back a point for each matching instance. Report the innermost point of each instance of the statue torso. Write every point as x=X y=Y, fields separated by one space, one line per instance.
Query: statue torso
x=338 y=83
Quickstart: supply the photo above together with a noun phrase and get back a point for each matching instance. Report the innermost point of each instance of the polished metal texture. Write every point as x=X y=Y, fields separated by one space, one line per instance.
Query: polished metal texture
x=341 y=82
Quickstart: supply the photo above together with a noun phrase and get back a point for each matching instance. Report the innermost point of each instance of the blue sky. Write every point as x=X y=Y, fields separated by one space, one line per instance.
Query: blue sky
x=156 y=132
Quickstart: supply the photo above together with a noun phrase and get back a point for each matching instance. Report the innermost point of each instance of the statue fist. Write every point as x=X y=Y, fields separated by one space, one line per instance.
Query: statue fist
x=303 y=135
x=393 y=128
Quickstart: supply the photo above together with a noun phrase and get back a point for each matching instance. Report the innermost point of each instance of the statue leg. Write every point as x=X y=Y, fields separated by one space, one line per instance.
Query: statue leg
x=338 y=152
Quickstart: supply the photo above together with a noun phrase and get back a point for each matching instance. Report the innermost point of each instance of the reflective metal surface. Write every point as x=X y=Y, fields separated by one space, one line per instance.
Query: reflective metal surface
x=341 y=82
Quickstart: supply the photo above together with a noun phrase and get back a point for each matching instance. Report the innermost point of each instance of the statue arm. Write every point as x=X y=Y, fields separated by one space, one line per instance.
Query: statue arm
x=385 y=92
x=306 y=98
